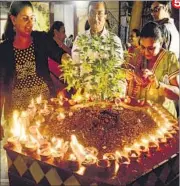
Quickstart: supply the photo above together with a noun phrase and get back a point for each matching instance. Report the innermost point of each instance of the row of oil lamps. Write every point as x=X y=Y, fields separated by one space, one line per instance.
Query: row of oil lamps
x=72 y=155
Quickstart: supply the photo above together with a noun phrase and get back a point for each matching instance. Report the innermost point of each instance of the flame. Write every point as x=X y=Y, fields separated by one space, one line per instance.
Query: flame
x=60 y=97
x=53 y=140
x=145 y=142
x=164 y=130
x=74 y=139
x=38 y=151
x=52 y=150
x=23 y=136
x=81 y=170
x=127 y=149
x=116 y=168
x=33 y=140
x=16 y=128
x=65 y=147
x=59 y=143
x=72 y=157
x=77 y=149
x=118 y=155
x=159 y=132
x=39 y=99
x=61 y=103
x=153 y=138
x=38 y=123
x=136 y=146
x=24 y=114
x=39 y=136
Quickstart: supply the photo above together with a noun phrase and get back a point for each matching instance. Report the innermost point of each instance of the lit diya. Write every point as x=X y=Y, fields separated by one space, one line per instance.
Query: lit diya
x=46 y=156
x=90 y=164
x=162 y=143
x=30 y=147
x=153 y=147
x=58 y=157
x=111 y=157
x=14 y=144
x=133 y=156
x=102 y=166
x=73 y=163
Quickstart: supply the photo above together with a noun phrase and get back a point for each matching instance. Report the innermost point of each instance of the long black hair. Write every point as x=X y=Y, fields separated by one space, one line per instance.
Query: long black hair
x=15 y=8
x=56 y=25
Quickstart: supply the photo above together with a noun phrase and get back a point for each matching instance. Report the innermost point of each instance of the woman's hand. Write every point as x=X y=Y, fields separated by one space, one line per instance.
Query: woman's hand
x=149 y=78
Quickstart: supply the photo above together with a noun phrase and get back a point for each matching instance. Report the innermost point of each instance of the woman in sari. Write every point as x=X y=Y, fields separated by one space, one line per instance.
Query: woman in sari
x=157 y=74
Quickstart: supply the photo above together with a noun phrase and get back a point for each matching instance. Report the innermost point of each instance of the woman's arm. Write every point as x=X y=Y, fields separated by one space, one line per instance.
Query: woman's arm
x=170 y=91
x=62 y=45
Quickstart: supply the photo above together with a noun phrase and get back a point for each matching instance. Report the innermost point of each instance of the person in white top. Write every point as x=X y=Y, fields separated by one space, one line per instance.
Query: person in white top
x=160 y=10
x=97 y=14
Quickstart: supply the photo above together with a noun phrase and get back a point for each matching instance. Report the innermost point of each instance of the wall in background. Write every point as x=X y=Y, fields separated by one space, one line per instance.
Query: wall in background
x=65 y=12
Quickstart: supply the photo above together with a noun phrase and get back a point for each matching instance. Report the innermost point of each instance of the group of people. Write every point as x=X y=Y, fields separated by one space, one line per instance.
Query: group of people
x=24 y=55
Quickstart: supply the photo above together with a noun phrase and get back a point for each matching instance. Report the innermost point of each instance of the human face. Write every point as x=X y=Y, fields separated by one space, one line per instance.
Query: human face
x=149 y=47
x=62 y=34
x=134 y=40
x=24 y=22
x=97 y=17
x=158 y=11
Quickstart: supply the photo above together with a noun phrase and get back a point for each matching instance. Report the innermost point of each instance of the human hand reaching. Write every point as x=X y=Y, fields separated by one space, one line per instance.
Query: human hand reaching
x=149 y=78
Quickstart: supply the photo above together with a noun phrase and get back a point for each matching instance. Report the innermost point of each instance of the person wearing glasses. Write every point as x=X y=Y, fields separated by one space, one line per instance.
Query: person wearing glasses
x=97 y=15
x=160 y=11
x=24 y=72
x=158 y=74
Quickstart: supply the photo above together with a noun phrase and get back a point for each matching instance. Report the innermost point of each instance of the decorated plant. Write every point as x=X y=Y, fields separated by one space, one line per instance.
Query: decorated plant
x=98 y=72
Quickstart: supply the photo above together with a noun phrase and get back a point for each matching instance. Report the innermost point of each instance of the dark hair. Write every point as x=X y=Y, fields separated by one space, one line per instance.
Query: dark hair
x=136 y=31
x=87 y=26
x=15 y=8
x=151 y=29
x=94 y=2
x=56 y=25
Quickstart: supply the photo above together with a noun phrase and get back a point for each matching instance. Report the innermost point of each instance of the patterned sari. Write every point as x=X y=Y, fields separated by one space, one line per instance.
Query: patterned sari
x=165 y=68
